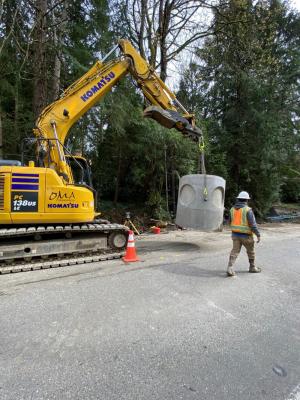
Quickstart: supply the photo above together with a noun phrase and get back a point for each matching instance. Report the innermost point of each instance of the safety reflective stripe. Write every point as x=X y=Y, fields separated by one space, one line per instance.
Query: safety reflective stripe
x=239 y=221
x=130 y=237
x=130 y=242
x=241 y=229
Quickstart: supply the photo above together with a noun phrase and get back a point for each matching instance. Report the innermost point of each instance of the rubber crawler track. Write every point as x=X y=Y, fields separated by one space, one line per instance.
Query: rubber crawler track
x=44 y=230
x=56 y=263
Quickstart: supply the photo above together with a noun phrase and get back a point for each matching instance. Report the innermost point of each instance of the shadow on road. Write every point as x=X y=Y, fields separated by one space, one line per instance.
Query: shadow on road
x=169 y=246
x=189 y=270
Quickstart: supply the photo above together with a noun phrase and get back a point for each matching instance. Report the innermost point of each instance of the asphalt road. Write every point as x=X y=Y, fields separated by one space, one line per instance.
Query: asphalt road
x=169 y=327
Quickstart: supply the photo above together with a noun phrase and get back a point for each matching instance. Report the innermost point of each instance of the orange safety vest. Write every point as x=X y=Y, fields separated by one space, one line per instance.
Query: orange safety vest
x=239 y=220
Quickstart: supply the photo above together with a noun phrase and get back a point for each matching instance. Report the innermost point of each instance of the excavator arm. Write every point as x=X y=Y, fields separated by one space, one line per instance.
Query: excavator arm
x=165 y=108
x=54 y=123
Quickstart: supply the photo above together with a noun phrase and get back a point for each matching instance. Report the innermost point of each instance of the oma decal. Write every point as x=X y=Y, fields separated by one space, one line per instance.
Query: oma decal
x=62 y=196
x=94 y=89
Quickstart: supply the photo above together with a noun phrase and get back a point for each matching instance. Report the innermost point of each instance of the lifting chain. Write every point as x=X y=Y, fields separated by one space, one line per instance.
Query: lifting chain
x=201 y=166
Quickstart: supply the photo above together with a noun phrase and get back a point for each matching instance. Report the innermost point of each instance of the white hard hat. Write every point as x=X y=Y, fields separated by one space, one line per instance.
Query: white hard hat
x=243 y=196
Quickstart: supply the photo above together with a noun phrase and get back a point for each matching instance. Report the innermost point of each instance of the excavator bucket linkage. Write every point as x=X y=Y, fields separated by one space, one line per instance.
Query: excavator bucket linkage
x=172 y=119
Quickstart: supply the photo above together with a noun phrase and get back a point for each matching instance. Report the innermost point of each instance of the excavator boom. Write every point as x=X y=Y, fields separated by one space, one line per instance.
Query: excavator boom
x=56 y=120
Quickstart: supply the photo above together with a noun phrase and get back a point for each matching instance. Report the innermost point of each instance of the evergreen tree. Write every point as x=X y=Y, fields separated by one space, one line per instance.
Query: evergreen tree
x=44 y=47
x=247 y=81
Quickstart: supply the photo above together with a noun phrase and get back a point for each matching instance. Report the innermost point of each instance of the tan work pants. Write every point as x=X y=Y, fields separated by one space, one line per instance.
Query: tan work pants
x=238 y=242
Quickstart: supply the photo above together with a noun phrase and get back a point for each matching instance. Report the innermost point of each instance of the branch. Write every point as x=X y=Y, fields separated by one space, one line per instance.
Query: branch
x=1 y=8
x=53 y=7
x=188 y=42
x=11 y=29
x=57 y=24
x=129 y=24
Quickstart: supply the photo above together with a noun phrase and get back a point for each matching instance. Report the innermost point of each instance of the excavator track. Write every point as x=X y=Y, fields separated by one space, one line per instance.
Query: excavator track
x=40 y=247
x=56 y=263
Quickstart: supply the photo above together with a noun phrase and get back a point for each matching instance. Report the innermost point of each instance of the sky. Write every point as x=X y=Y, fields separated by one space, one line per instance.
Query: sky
x=296 y=4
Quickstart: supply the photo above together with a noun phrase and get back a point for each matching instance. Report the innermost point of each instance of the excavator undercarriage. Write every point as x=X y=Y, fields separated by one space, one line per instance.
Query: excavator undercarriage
x=41 y=247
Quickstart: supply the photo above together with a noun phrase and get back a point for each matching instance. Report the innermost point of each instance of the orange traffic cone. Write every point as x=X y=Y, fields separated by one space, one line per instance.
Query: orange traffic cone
x=130 y=255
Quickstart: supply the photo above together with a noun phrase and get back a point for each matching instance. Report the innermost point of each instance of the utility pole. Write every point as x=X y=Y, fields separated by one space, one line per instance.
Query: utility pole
x=166 y=173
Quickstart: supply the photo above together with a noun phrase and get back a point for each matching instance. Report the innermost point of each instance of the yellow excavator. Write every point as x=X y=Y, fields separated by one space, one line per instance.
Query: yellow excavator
x=47 y=207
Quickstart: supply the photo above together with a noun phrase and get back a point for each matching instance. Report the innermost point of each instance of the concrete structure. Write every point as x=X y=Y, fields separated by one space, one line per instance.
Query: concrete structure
x=201 y=202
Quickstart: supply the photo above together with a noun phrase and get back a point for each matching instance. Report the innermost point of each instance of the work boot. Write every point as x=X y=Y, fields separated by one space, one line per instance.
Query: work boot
x=230 y=271
x=254 y=269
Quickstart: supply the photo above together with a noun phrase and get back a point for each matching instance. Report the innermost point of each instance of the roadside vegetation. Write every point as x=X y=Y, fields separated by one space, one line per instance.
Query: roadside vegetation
x=236 y=65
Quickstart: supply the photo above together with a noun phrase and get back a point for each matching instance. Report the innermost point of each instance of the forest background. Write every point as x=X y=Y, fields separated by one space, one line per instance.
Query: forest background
x=235 y=64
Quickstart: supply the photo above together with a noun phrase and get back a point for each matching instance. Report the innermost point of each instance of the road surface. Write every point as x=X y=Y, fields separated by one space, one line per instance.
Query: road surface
x=171 y=326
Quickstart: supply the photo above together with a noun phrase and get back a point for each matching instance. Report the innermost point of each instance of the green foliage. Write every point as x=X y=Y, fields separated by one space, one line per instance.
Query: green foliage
x=243 y=85
x=290 y=189
x=15 y=88
x=133 y=154
x=247 y=81
x=84 y=33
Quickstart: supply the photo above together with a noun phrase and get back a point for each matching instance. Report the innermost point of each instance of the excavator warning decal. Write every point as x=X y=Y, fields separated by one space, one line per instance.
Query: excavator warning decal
x=25 y=181
x=24 y=201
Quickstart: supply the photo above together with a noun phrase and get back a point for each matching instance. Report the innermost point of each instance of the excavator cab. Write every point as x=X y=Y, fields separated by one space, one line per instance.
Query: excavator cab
x=35 y=149
x=81 y=170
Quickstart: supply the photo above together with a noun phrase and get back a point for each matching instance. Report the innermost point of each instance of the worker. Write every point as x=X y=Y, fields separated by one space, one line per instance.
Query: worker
x=243 y=226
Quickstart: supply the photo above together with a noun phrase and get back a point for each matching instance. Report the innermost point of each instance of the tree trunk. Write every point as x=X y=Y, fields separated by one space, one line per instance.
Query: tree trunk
x=59 y=32
x=163 y=63
x=17 y=134
x=118 y=177
x=1 y=136
x=164 y=28
x=166 y=179
x=56 y=73
x=39 y=56
x=173 y=191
